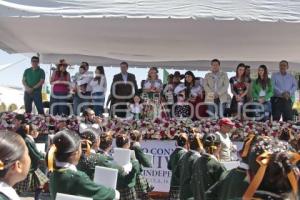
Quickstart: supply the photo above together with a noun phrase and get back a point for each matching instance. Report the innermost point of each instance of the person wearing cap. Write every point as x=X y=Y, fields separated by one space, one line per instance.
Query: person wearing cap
x=33 y=80
x=60 y=81
x=216 y=85
x=207 y=169
x=226 y=125
x=285 y=86
x=123 y=88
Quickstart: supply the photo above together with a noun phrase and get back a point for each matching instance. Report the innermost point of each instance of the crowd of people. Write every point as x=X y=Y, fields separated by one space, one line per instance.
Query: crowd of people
x=268 y=160
x=183 y=96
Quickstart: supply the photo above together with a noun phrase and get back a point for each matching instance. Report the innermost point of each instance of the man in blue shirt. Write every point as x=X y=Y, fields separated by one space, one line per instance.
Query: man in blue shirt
x=285 y=87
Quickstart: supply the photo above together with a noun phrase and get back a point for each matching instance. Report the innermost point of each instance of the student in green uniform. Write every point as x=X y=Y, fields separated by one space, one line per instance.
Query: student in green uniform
x=207 y=169
x=273 y=171
x=234 y=183
x=142 y=187
x=185 y=164
x=14 y=163
x=63 y=157
x=280 y=179
x=36 y=179
x=181 y=149
x=90 y=159
x=126 y=186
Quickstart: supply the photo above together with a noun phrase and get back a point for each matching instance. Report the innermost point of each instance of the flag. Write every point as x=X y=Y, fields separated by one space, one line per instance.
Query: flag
x=165 y=76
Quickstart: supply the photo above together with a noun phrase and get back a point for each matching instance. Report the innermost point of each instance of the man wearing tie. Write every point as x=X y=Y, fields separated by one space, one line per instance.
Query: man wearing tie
x=123 y=89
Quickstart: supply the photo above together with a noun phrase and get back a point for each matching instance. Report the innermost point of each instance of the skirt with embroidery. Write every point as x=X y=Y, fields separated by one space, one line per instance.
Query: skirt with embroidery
x=174 y=193
x=142 y=187
x=33 y=181
x=127 y=194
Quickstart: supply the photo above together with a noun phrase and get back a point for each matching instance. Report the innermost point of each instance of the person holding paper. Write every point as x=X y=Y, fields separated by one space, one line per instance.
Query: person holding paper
x=181 y=149
x=36 y=179
x=90 y=159
x=63 y=157
x=126 y=187
x=185 y=164
x=143 y=186
x=207 y=169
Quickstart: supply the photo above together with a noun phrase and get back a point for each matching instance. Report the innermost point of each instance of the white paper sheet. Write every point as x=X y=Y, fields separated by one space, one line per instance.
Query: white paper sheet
x=231 y=165
x=60 y=196
x=41 y=147
x=122 y=156
x=149 y=157
x=106 y=177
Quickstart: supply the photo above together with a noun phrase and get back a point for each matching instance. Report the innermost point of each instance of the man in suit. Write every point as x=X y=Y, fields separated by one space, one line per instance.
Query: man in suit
x=123 y=89
x=216 y=85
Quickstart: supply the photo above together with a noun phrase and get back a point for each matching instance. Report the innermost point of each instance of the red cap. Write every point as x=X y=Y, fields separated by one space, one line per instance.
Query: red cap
x=226 y=121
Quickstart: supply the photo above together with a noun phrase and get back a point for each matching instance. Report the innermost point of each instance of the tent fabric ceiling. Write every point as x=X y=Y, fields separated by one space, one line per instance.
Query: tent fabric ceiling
x=251 y=31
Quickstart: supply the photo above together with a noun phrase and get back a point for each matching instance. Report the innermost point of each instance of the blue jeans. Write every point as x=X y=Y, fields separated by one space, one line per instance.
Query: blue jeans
x=98 y=99
x=62 y=100
x=36 y=97
x=79 y=100
x=219 y=113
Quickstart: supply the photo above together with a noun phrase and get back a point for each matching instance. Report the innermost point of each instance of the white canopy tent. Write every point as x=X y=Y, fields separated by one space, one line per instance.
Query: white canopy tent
x=169 y=33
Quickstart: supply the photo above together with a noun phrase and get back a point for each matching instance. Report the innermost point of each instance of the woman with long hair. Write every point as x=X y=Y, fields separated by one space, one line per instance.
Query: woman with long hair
x=195 y=94
x=99 y=86
x=60 y=81
x=262 y=91
x=239 y=88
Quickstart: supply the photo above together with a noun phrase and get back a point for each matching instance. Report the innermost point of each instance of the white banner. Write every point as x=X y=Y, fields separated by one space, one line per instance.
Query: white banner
x=159 y=175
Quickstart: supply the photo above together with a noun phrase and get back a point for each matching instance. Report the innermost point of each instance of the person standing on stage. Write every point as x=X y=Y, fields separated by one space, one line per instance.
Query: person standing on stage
x=123 y=88
x=216 y=85
x=33 y=80
x=285 y=87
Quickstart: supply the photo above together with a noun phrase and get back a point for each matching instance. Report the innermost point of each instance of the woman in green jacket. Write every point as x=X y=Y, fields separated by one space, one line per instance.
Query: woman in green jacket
x=207 y=169
x=127 y=186
x=90 y=159
x=181 y=149
x=63 y=157
x=185 y=165
x=262 y=91
x=142 y=185
x=36 y=179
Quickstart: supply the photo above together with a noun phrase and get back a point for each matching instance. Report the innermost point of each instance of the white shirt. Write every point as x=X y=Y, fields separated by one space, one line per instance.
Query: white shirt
x=96 y=87
x=8 y=191
x=84 y=126
x=66 y=165
x=136 y=108
x=226 y=146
